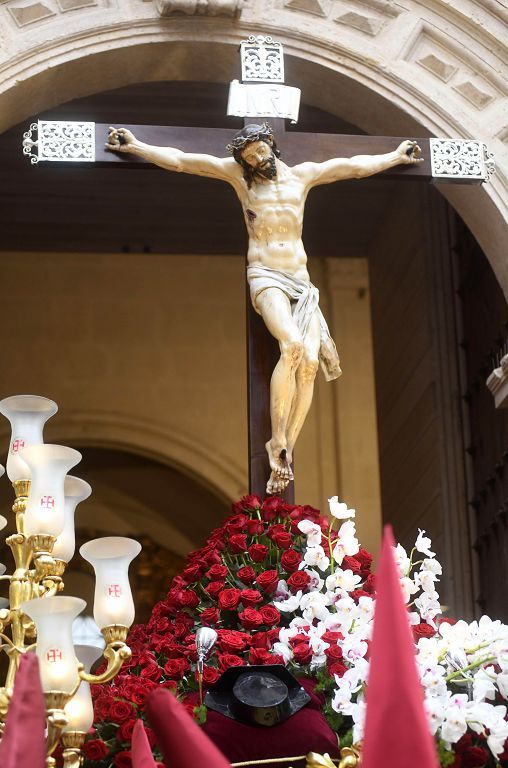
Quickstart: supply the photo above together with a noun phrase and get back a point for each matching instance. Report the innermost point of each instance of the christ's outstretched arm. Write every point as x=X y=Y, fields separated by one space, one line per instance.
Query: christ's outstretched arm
x=123 y=140
x=359 y=166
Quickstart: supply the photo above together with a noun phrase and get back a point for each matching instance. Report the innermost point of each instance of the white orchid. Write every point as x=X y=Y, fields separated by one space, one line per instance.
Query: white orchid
x=316 y=556
x=346 y=543
x=290 y=605
x=312 y=531
x=344 y=580
x=339 y=510
x=423 y=544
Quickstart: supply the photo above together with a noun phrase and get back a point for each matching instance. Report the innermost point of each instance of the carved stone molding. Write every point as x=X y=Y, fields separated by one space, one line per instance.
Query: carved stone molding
x=231 y=8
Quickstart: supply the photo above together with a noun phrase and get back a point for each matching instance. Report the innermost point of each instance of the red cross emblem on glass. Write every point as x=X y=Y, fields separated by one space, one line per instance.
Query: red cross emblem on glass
x=114 y=590
x=54 y=654
x=17 y=445
x=47 y=502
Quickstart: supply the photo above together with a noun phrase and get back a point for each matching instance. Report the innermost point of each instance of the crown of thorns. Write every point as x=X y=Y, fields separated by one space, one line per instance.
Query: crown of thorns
x=239 y=141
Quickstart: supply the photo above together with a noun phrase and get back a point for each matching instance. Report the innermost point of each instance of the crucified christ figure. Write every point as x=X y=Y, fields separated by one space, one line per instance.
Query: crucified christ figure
x=273 y=197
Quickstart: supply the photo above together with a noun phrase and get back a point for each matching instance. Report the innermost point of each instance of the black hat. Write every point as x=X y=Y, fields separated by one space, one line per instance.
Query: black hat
x=257 y=695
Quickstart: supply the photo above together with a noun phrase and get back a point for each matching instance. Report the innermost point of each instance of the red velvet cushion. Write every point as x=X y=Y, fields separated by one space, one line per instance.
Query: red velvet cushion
x=306 y=731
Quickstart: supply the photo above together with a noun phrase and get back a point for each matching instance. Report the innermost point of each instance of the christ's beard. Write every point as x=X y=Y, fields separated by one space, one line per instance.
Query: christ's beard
x=269 y=169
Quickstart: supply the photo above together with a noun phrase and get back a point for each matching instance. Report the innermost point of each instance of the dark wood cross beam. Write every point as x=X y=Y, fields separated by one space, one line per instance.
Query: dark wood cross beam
x=295 y=148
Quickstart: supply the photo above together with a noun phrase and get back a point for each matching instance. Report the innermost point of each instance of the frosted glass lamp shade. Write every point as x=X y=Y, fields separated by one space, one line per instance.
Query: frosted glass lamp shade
x=2 y=470
x=110 y=557
x=75 y=491
x=79 y=710
x=45 y=509
x=27 y=415
x=3 y=522
x=53 y=617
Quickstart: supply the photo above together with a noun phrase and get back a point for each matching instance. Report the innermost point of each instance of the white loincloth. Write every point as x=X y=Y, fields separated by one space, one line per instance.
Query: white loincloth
x=304 y=298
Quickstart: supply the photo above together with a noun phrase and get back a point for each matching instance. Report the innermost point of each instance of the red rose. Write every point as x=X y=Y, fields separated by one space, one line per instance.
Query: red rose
x=258 y=552
x=283 y=539
x=227 y=660
x=191 y=573
x=261 y=640
x=255 y=527
x=333 y=653
x=337 y=668
x=369 y=584
x=299 y=580
x=267 y=581
x=262 y=656
x=238 y=543
x=365 y=560
x=274 y=507
x=246 y=575
x=124 y=733
x=232 y=641
x=422 y=630
x=290 y=560
x=176 y=668
x=121 y=711
x=217 y=572
x=475 y=757
x=214 y=589
x=251 y=597
x=189 y=599
x=95 y=749
x=102 y=706
x=123 y=759
x=332 y=637
x=250 y=618
x=299 y=638
x=229 y=599
x=302 y=653
x=151 y=671
x=270 y=615
x=209 y=617
x=210 y=675
x=235 y=524
x=250 y=502
x=351 y=564
x=444 y=620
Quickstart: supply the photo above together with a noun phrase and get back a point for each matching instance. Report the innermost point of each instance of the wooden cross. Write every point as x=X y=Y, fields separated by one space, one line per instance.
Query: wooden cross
x=451 y=161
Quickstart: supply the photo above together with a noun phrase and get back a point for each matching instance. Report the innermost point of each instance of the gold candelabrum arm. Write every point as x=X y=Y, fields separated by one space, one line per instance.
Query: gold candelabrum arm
x=116 y=653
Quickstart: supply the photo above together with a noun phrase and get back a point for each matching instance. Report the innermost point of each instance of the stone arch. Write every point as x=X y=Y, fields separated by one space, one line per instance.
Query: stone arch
x=140 y=437
x=431 y=69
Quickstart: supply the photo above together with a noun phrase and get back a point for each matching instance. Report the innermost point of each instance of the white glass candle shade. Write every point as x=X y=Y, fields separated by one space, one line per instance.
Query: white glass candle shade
x=45 y=508
x=75 y=491
x=53 y=617
x=2 y=470
x=79 y=710
x=110 y=557
x=27 y=415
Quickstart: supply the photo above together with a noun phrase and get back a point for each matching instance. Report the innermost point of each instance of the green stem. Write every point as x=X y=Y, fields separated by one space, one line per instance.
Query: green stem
x=474 y=665
x=332 y=560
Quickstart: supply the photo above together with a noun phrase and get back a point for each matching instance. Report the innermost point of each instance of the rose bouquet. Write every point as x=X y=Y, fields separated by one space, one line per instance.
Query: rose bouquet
x=282 y=584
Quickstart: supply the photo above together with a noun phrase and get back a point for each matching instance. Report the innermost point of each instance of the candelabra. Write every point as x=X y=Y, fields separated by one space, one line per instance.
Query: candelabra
x=37 y=618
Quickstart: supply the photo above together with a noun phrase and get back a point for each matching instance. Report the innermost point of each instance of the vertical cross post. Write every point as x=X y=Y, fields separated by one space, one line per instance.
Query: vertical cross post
x=262 y=75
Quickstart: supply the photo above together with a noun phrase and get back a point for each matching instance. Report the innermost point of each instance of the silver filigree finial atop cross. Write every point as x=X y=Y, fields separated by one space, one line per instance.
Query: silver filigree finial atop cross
x=262 y=60
x=262 y=92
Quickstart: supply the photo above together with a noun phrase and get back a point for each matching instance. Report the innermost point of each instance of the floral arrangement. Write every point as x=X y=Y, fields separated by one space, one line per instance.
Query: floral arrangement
x=282 y=584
